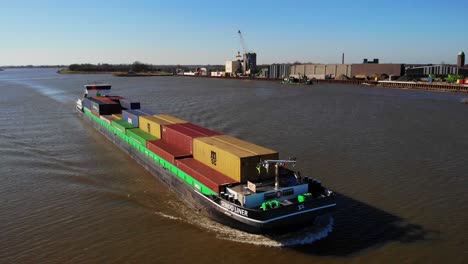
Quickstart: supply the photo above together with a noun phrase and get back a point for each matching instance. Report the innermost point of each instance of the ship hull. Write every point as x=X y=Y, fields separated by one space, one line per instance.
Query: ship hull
x=225 y=212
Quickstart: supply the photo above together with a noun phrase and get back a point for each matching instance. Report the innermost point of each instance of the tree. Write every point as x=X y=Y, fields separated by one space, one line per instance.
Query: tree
x=139 y=67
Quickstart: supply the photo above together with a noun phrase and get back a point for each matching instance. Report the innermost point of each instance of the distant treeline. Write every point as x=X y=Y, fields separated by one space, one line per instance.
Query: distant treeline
x=33 y=66
x=137 y=67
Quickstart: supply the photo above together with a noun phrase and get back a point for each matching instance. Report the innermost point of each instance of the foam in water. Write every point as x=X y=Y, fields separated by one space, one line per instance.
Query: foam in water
x=53 y=93
x=168 y=216
x=318 y=230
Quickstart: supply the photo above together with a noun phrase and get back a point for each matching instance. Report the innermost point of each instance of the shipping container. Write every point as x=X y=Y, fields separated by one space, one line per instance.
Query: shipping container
x=131 y=116
x=182 y=135
x=166 y=151
x=121 y=125
x=86 y=103
x=202 y=130
x=129 y=104
x=211 y=178
x=236 y=163
x=95 y=114
x=118 y=116
x=115 y=98
x=104 y=99
x=253 y=148
x=152 y=125
x=107 y=118
x=102 y=107
x=147 y=112
x=139 y=136
x=171 y=119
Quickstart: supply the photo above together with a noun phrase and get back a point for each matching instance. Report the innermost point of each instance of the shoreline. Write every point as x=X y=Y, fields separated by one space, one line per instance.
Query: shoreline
x=438 y=87
x=118 y=74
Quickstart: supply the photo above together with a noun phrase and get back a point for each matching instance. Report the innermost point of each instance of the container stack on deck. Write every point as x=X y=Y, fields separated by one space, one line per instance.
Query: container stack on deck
x=213 y=159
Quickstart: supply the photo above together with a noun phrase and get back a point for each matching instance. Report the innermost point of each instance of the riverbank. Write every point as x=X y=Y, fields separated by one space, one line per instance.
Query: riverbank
x=119 y=74
x=440 y=87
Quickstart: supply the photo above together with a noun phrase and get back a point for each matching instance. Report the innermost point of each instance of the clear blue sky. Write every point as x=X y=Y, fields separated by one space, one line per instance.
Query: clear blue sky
x=205 y=32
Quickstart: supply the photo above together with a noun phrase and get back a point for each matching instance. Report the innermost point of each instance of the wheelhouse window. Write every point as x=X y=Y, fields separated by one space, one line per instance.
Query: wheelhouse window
x=288 y=192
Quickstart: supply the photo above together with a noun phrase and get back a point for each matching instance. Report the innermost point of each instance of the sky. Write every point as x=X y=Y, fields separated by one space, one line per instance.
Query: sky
x=205 y=32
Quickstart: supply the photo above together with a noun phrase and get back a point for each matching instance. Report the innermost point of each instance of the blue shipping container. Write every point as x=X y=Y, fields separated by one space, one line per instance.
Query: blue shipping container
x=131 y=116
x=86 y=103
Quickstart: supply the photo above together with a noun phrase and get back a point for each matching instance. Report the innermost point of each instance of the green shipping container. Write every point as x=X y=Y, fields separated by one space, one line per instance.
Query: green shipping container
x=121 y=125
x=140 y=136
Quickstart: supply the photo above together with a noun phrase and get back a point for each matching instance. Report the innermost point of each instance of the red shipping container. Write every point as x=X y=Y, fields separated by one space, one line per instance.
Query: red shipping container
x=209 y=177
x=105 y=100
x=114 y=98
x=166 y=151
x=182 y=135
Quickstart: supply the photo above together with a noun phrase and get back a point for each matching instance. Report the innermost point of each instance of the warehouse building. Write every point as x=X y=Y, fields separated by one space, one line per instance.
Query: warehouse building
x=321 y=71
x=233 y=68
x=366 y=70
x=277 y=71
x=438 y=70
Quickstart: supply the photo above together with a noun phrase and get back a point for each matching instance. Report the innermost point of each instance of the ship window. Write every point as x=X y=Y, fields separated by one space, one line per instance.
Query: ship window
x=288 y=192
x=269 y=196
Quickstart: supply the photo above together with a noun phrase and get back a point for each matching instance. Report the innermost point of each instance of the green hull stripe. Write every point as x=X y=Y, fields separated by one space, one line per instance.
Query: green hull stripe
x=158 y=160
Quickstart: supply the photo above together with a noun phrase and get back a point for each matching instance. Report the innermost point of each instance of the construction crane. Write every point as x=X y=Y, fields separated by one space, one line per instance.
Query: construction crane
x=242 y=43
x=248 y=59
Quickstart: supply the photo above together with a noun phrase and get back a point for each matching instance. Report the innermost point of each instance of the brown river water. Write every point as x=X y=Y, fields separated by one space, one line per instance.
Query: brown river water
x=397 y=158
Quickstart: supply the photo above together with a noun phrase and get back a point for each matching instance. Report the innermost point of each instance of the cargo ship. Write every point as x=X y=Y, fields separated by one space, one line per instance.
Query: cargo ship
x=232 y=181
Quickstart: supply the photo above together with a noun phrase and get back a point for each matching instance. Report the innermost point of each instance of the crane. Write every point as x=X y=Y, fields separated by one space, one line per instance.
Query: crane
x=242 y=43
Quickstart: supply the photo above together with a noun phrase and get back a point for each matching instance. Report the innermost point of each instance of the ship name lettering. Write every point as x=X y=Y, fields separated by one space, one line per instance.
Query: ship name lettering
x=234 y=209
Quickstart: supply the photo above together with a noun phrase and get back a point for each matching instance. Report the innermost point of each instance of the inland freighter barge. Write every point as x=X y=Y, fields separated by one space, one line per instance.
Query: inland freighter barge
x=234 y=182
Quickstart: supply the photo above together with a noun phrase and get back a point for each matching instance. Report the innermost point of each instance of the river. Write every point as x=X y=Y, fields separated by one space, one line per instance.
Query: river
x=397 y=158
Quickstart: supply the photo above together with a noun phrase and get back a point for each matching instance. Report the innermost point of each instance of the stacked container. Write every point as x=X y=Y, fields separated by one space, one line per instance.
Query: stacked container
x=114 y=98
x=132 y=116
x=182 y=135
x=166 y=151
x=117 y=116
x=108 y=118
x=121 y=125
x=233 y=157
x=101 y=107
x=129 y=104
x=171 y=119
x=139 y=136
x=211 y=178
x=154 y=124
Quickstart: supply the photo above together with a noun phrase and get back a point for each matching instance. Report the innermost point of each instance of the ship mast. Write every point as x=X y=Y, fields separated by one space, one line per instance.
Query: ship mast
x=277 y=164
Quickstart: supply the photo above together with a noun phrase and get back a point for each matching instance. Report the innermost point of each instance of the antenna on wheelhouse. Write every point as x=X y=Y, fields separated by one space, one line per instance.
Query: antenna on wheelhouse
x=277 y=164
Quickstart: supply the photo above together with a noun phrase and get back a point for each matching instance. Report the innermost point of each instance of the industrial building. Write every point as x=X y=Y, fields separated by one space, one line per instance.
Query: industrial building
x=233 y=68
x=249 y=64
x=321 y=71
x=461 y=59
x=440 y=70
x=437 y=70
x=365 y=70
x=277 y=71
